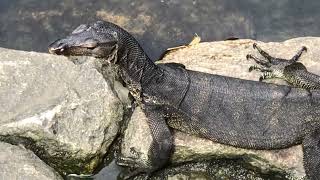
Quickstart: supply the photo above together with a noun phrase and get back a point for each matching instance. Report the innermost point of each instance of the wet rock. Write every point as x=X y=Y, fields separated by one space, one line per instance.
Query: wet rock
x=226 y=58
x=22 y=164
x=67 y=114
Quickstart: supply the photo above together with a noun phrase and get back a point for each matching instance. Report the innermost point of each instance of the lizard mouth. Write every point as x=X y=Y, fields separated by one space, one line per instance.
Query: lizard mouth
x=89 y=47
x=57 y=48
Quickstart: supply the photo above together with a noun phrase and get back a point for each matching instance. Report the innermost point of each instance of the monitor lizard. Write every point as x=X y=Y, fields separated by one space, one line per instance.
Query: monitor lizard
x=236 y=112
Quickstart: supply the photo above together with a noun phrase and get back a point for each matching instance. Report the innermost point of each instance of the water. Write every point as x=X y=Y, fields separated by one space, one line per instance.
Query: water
x=33 y=24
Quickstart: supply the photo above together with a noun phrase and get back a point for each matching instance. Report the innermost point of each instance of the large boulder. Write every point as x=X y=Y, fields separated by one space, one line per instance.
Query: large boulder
x=226 y=58
x=67 y=114
x=22 y=164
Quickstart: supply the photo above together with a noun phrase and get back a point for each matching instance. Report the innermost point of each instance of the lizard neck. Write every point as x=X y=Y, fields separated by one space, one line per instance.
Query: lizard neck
x=136 y=68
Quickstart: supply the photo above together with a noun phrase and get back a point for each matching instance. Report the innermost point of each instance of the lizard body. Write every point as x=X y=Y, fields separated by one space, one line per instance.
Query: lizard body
x=227 y=110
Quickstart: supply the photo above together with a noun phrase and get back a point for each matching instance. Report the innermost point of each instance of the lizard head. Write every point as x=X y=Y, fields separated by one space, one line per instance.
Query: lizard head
x=98 y=39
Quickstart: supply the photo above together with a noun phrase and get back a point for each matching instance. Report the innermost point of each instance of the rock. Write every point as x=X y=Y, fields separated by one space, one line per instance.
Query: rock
x=226 y=58
x=67 y=114
x=214 y=169
x=136 y=141
x=22 y=164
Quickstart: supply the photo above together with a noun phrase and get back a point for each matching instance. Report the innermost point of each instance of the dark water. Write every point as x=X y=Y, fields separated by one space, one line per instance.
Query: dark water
x=158 y=24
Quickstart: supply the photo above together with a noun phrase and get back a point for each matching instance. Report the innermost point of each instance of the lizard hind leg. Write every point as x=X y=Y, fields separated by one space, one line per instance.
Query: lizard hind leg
x=296 y=57
x=311 y=154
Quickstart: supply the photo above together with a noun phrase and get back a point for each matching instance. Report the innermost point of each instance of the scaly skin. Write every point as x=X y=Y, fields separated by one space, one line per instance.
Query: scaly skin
x=227 y=110
x=290 y=70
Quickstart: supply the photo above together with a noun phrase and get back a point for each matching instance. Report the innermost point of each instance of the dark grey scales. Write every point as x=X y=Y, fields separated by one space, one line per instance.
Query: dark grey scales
x=241 y=113
x=293 y=72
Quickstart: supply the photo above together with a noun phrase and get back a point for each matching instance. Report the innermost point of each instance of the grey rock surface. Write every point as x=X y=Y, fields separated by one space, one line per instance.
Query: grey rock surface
x=236 y=169
x=19 y=163
x=226 y=58
x=67 y=114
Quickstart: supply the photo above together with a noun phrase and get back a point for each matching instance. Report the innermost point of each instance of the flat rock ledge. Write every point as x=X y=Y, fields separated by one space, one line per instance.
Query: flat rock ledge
x=226 y=58
x=67 y=114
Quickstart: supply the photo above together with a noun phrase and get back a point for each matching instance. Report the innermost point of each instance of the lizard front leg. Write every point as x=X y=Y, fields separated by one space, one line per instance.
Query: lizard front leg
x=162 y=144
x=311 y=155
x=259 y=68
x=263 y=53
x=258 y=61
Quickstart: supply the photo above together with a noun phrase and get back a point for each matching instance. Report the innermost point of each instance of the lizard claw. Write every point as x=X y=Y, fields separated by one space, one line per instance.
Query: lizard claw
x=304 y=48
x=254 y=45
x=251 y=68
x=260 y=79
x=248 y=56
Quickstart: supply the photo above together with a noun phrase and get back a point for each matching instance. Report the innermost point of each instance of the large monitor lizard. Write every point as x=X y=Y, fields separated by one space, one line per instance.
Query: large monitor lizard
x=241 y=113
